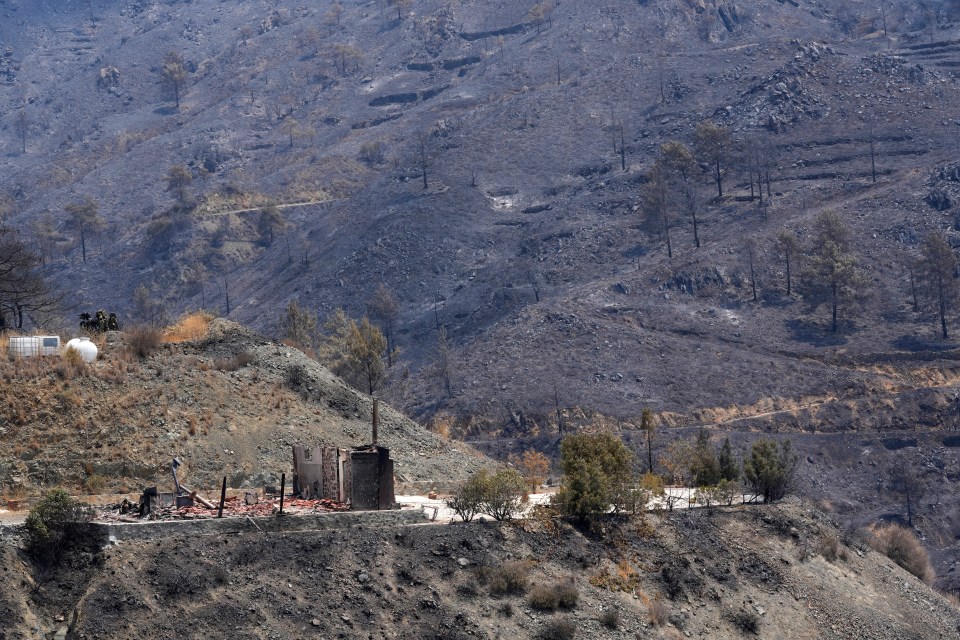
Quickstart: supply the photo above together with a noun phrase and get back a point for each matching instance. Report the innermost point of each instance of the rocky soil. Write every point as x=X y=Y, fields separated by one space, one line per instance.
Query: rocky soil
x=712 y=573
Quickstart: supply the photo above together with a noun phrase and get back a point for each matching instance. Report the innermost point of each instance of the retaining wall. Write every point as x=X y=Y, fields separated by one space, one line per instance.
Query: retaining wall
x=110 y=532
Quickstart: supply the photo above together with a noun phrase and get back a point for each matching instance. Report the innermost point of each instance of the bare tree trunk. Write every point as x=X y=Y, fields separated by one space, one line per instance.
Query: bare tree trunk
x=833 y=299
x=787 y=254
x=943 y=306
x=226 y=293
x=556 y=406
x=623 y=152
x=666 y=233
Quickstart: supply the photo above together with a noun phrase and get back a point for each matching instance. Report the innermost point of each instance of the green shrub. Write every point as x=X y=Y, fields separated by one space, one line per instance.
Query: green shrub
x=53 y=525
x=497 y=494
x=95 y=483
x=770 y=469
x=596 y=474
x=503 y=494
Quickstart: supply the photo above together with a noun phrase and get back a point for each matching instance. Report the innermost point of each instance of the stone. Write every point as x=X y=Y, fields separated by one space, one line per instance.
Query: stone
x=939 y=200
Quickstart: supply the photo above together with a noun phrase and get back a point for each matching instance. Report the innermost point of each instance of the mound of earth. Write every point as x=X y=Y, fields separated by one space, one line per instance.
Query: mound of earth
x=228 y=404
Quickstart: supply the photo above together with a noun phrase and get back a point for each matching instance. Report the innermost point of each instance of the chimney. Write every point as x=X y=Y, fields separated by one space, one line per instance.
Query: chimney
x=376 y=418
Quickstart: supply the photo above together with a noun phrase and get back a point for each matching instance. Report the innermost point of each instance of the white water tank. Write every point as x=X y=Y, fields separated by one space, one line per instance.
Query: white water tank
x=87 y=350
x=24 y=346
x=49 y=345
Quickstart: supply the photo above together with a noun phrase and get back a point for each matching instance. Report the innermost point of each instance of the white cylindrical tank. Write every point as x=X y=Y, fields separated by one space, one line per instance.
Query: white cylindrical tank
x=24 y=346
x=87 y=350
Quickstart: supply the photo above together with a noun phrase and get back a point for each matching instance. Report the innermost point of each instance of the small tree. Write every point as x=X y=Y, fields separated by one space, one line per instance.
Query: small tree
x=503 y=493
x=467 y=502
x=54 y=525
x=147 y=308
x=705 y=469
x=680 y=170
x=384 y=309
x=728 y=463
x=649 y=429
x=832 y=276
x=365 y=350
x=86 y=219
x=344 y=55
x=354 y=350
x=904 y=481
x=173 y=76
x=423 y=141
x=656 y=206
x=24 y=293
x=533 y=466
x=940 y=266
x=178 y=179
x=537 y=14
x=750 y=256
x=23 y=129
x=788 y=247
x=714 y=147
x=596 y=471
x=332 y=17
x=442 y=357
x=770 y=469
x=299 y=326
x=291 y=128
x=269 y=221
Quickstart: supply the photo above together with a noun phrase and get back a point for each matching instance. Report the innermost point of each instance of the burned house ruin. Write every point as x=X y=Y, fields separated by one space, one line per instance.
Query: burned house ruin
x=362 y=476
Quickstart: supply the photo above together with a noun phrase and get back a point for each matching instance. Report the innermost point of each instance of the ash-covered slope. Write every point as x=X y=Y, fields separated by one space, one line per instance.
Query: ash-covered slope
x=527 y=244
x=229 y=404
x=710 y=573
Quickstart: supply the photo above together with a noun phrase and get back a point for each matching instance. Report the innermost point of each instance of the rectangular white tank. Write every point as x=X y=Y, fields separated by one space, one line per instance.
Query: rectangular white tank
x=49 y=345
x=24 y=346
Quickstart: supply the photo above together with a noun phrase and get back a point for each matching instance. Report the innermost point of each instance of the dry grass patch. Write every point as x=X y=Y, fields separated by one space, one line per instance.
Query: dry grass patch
x=658 y=610
x=191 y=326
x=144 y=340
x=511 y=578
x=902 y=546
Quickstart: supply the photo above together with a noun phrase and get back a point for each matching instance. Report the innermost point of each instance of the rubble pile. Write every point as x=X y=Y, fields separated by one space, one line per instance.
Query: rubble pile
x=233 y=507
x=944 y=187
x=781 y=99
